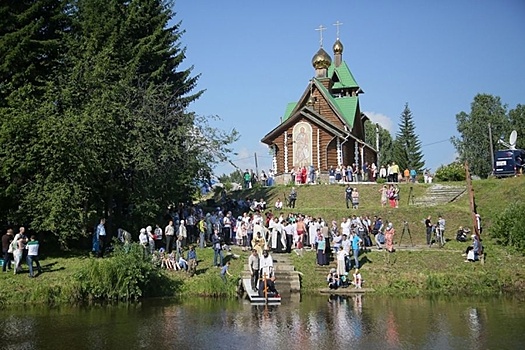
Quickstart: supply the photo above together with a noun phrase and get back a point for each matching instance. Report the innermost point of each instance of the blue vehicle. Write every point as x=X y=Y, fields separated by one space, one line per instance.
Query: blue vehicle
x=508 y=162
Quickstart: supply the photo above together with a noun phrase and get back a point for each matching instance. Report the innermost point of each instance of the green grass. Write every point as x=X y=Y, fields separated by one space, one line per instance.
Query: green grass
x=410 y=273
x=65 y=280
x=435 y=271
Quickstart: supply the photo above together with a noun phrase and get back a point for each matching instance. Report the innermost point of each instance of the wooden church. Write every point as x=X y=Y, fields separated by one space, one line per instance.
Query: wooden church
x=326 y=126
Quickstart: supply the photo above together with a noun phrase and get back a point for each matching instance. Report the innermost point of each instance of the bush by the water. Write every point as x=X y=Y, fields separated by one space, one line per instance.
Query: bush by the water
x=509 y=227
x=127 y=275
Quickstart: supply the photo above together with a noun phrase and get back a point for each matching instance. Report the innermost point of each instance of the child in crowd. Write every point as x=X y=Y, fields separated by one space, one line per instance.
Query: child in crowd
x=225 y=272
x=358 y=281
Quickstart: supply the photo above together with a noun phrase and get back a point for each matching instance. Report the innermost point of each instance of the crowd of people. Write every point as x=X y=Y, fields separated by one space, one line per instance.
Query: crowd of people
x=342 y=174
x=18 y=247
x=368 y=172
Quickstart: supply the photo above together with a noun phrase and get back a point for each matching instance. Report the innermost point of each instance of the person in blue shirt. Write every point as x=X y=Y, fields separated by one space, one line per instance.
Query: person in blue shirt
x=356 y=243
x=218 y=257
x=192 y=261
x=413 y=174
x=225 y=272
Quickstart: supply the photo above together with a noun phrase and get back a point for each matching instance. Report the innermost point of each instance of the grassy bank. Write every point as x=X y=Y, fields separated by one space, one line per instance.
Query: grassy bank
x=77 y=277
x=428 y=272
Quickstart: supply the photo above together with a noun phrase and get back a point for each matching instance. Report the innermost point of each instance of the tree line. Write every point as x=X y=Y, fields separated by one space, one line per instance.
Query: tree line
x=472 y=143
x=94 y=115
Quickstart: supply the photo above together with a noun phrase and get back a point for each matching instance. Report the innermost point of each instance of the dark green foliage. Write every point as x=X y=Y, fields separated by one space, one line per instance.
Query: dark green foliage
x=407 y=147
x=473 y=144
x=31 y=45
x=386 y=154
x=508 y=227
x=452 y=172
x=125 y=276
x=102 y=128
x=517 y=122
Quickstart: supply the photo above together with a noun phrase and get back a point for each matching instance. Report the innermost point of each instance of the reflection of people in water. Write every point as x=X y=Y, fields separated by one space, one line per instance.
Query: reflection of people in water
x=302 y=148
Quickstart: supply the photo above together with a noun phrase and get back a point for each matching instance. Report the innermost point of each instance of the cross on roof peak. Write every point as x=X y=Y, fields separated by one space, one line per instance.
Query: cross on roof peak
x=338 y=24
x=321 y=29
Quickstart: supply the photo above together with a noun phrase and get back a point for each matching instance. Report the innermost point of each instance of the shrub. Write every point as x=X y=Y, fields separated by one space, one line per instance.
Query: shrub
x=508 y=227
x=126 y=275
x=452 y=172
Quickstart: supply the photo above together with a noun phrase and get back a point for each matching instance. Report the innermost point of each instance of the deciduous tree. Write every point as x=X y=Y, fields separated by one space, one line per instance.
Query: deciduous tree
x=385 y=142
x=473 y=144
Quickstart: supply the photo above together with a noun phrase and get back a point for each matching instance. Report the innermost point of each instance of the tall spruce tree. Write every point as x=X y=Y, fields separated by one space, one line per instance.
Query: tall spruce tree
x=110 y=134
x=31 y=44
x=31 y=53
x=407 y=147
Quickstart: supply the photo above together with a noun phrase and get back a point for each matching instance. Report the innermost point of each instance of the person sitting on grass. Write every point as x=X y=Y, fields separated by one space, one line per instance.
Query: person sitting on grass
x=183 y=263
x=165 y=261
x=333 y=279
x=461 y=234
x=475 y=250
x=357 y=280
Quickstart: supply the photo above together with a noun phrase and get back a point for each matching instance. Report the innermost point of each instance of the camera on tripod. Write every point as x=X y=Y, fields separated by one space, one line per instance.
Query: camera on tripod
x=406 y=228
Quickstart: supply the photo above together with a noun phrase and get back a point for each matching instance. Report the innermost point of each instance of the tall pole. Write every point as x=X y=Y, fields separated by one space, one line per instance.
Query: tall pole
x=491 y=147
x=472 y=200
x=377 y=144
x=256 y=166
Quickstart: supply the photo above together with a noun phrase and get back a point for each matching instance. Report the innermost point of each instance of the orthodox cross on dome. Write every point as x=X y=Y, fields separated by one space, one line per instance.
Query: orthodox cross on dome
x=320 y=29
x=338 y=24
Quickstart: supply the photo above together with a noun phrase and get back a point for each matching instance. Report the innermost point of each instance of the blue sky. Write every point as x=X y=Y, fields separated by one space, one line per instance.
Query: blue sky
x=254 y=57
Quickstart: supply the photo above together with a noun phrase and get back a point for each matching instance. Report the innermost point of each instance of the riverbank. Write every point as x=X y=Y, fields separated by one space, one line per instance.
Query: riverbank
x=72 y=277
x=428 y=272
x=407 y=273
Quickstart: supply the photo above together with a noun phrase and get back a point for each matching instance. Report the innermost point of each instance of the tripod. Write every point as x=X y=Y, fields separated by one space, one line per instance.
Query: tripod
x=410 y=196
x=405 y=229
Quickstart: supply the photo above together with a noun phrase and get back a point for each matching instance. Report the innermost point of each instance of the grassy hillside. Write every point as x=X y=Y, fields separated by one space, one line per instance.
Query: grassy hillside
x=424 y=271
x=327 y=201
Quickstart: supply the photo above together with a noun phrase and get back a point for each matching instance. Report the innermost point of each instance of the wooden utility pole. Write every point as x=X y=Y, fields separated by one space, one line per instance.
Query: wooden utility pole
x=472 y=200
x=491 y=148
x=256 y=165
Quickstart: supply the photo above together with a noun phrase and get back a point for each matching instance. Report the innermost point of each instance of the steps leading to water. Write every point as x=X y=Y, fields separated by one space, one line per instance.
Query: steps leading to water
x=288 y=280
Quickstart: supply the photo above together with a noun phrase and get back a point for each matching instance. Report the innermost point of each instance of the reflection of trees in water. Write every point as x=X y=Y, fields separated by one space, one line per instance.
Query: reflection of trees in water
x=313 y=323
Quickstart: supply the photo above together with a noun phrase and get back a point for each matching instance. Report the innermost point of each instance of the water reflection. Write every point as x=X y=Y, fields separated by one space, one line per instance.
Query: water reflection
x=315 y=322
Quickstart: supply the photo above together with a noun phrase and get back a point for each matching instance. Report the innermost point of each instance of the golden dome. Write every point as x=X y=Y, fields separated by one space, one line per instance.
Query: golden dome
x=321 y=59
x=338 y=47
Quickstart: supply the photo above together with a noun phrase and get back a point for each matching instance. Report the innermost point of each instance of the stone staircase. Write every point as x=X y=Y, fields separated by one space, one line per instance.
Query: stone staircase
x=440 y=194
x=288 y=280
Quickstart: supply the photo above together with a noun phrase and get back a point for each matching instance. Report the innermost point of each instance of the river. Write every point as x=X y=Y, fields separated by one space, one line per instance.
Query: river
x=360 y=322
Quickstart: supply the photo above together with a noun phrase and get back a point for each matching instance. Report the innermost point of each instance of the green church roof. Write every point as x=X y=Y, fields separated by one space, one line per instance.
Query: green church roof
x=345 y=79
x=346 y=106
x=289 y=108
